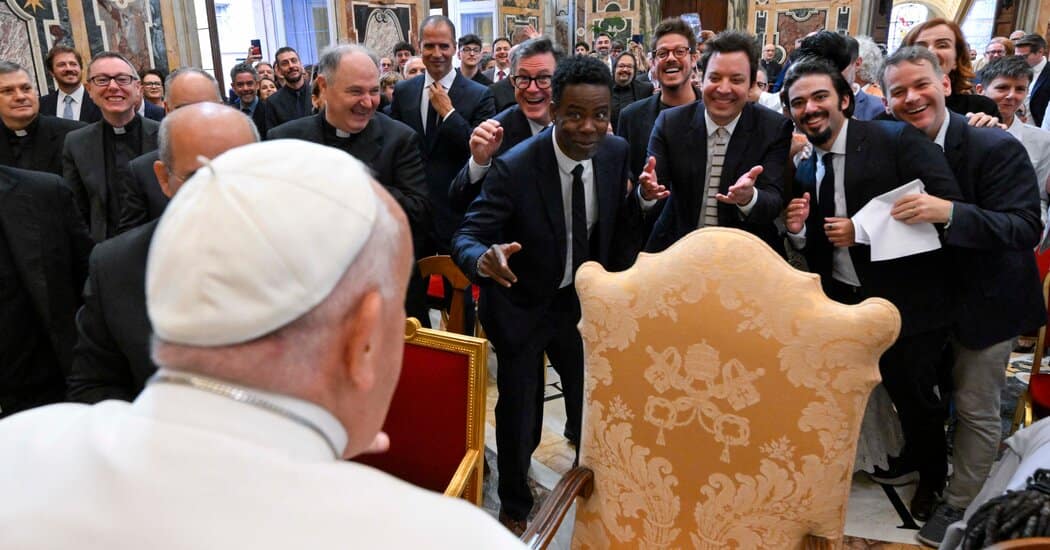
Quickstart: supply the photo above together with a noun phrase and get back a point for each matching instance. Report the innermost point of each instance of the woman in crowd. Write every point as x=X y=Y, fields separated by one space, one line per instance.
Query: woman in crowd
x=267 y=87
x=945 y=39
x=153 y=87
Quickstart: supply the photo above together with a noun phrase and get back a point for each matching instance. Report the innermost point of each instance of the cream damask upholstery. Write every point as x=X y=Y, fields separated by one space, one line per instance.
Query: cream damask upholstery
x=724 y=396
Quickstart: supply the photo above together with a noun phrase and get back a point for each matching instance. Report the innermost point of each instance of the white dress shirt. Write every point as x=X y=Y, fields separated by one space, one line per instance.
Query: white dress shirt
x=478 y=171
x=78 y=101
x=842 y=269
x=424 y=98
x=1037 y=143
x=565 y=167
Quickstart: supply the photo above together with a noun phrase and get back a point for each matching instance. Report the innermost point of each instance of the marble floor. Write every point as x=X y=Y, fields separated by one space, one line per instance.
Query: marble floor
x=877 y=515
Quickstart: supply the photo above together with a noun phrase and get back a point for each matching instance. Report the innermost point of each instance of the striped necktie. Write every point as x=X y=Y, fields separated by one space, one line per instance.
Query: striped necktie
x=709 y=212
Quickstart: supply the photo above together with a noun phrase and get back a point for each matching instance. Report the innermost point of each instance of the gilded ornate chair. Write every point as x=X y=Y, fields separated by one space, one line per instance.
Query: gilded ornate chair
x=724 y=396
x=453 y=318
x=436 y=421
x=1034 y=402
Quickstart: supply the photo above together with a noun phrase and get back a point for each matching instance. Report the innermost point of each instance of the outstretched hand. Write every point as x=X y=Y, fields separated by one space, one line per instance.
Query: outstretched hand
x=493 y=263
x=741 y=192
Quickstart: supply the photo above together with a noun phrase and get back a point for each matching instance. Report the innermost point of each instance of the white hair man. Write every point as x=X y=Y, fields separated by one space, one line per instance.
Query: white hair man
x=275 y=283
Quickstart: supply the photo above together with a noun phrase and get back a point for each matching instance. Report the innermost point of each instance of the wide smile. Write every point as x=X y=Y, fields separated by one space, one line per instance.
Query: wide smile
x=916 y=110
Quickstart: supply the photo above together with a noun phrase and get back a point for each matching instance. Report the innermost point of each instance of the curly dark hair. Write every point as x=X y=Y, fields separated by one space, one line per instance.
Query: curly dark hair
x=815 y=65
x=579 y=69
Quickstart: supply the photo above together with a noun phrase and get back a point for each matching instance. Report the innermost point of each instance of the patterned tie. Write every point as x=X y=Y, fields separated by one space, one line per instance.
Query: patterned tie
x=67 y=113
x=709 y=212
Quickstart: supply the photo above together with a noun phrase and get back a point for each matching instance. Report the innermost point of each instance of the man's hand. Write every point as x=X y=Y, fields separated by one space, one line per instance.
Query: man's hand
x=797 y=213
x=840 y=231
x=740 y=193
x=493 y=263
x=531 y=32
x=800 y=146
x=983 y=120
x=440 y=100
x=651 y=188
x=921 y=208
x=485 y=141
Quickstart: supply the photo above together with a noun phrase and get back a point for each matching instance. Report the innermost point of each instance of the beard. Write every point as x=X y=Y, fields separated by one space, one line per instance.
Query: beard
x=816 y=138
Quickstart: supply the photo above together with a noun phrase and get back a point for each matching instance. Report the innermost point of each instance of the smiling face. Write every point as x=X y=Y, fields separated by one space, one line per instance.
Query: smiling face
x=19 y=103
x=817 y=109
x=290 y=67
x=117 y=102
x=246 y=88
x=672 y=72
x=624 y=72
x=603 y=45
x=437 y=48
x=1008 y=93
x=581 y=119
x=501 y=53
x=535 y=101
x=915 y=94
x=469 y=56
x=402 y=57
x=941 y=41
x=267 y=88
x=265 y=70
x=66 y=70
x=725 y=85
x=994 y=50
x=153 y=88
x=352 y=94
x=414 y=67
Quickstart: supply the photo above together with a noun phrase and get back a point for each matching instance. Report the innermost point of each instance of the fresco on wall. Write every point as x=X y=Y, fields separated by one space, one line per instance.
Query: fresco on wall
x=131 y=27
x=380 y=26
x=798 y=23
x=28 y=28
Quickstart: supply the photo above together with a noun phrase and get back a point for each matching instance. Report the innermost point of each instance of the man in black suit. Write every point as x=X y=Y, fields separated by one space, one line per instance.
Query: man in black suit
x=1032 y=48
x=292 y=101
x=674 y=59
x=853 y=162
x=626 y=89
x=991 y=232
x=443 y=107
x=349 y=82
x=95 y=158
x=71 y=100
x=737 y=178
x=245 y=82
x=532 y=66
x=470 y=58
x=44 y=248
x=501 y=47
x=151 y=111
x=111 y=359
x=502 y=95
x=143 y=199
x=27 y=139
x=553 y=201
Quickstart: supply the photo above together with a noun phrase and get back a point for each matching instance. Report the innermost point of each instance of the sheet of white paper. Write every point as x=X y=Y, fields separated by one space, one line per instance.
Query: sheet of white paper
x=889 y=238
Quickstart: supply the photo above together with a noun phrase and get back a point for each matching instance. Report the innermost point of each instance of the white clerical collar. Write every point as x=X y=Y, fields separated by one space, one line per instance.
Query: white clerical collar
x=943 y=131
x=446 y=81
x=838 y=147
x=21 y=133
x=712 y=126
x=341 y=134
x=120 y=130
x=302 y=414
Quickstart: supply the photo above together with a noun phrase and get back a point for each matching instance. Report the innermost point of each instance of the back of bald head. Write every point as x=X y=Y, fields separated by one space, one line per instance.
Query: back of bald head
x=189 y=85
x=208 y=126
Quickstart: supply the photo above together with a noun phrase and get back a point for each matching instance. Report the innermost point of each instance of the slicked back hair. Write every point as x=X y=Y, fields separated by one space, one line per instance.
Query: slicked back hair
x=813 y=65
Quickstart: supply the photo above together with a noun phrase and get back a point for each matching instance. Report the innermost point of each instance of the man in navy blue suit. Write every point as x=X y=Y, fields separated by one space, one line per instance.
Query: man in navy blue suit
x=991 y=233
x=552 y=202
x=723 y=159
x=443 y=107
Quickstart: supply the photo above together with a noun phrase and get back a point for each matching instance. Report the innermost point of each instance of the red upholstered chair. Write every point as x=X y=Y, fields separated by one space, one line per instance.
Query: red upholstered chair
x=1034 y=403
x=437 y=416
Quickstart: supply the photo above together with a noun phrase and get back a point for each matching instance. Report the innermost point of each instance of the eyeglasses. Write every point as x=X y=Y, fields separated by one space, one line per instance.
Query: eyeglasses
x=678 y=52
x=103 y=80
x=522 y=82
x=762 y=85
x=148 y=84
x=474 y=50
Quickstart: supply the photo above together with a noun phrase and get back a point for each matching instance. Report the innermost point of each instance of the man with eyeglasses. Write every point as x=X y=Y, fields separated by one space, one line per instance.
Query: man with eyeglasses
x=674 y=60
x=469 y=58
x=144 y=200
x=28 y=139
x=111 y=359
x=626 y=88
x=95 y=158
x=737 y=179
x=761 y=96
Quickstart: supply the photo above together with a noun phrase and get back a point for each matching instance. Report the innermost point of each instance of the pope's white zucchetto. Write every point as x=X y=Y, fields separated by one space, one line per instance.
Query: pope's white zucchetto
x=256 y=238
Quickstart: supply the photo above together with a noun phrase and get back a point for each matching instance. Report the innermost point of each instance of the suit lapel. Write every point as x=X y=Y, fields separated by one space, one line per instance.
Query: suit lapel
x=22 y=230
x=856 y=145
x=369 y=143
x=549 y=183
x=607 y=193
x=697 y=135
x=149 y=134
x=736 y=147
x=954 y=140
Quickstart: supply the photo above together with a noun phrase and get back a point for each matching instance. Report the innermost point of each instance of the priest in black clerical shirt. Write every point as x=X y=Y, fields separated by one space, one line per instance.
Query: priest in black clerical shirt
x=28 y=140
x=95 y=158
x=349 y=83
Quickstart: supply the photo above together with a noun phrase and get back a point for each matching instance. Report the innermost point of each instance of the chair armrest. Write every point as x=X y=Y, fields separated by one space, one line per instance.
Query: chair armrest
x=462 y=476
x=578 y=481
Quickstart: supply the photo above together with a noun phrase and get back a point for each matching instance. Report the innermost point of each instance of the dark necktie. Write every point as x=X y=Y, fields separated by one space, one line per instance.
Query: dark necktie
x=826 y=201
x=579 y=219
x=432 y=126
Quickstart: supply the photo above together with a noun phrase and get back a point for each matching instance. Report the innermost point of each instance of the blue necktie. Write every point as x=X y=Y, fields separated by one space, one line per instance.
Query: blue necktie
x=67 y=113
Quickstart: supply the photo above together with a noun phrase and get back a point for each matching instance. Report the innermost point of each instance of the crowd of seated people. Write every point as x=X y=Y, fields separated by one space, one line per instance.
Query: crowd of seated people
x=520 y=161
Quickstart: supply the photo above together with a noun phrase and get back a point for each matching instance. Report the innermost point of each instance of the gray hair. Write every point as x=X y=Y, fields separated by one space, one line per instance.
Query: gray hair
x=871 y=59
x=534 y=46
x=328 y=63
x=164 y=135
x=243 y=68
x=8 y=67
x=189 y=70
x=911 y=54
x=303 y=341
